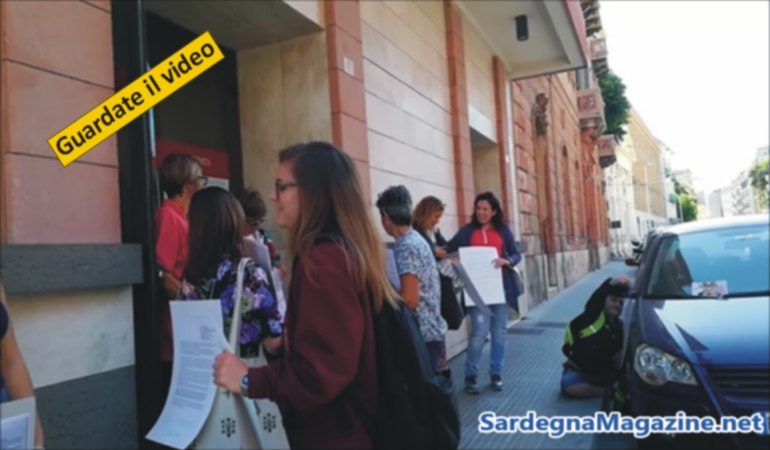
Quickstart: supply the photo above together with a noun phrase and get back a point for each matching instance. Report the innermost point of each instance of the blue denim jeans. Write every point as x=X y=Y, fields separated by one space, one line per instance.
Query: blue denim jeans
x=481 y=325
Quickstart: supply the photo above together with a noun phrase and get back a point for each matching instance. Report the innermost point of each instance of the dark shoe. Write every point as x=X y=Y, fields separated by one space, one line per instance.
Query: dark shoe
x=471 y=385
x=497 y=382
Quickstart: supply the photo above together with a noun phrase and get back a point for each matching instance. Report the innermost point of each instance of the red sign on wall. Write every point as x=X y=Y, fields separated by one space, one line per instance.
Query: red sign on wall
x=215 y=163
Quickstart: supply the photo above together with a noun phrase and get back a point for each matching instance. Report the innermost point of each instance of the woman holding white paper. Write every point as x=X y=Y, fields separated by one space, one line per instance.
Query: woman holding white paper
x=488 y=228
x=326 y=382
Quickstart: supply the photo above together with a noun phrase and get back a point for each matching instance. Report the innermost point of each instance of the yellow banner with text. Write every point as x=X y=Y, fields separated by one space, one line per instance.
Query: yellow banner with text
x=133 y=100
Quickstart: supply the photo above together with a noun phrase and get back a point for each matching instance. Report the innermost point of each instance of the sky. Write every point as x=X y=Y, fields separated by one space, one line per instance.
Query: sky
x=697 y=74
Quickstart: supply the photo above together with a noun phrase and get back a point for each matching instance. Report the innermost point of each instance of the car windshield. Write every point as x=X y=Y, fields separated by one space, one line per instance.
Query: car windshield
x=724 y=262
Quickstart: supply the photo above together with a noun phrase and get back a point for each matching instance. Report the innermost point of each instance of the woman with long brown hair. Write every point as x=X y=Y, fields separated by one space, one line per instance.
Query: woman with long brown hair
x=326 y=382
x=216 y=248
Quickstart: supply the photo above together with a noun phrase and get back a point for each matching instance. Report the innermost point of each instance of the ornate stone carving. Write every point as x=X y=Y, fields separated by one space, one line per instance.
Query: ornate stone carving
x=539 y=111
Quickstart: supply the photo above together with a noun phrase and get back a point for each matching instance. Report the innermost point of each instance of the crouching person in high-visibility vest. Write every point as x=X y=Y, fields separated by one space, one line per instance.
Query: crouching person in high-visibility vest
x=593 y=341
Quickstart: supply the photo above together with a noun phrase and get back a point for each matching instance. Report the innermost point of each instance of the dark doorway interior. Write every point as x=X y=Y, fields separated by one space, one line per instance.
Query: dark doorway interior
x=201 y=118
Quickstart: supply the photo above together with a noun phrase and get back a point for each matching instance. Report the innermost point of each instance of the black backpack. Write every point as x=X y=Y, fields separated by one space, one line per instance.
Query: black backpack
x=451 y=299
x=416 y=406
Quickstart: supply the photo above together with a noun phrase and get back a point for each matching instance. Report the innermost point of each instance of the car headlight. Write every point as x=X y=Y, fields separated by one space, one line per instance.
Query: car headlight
x=657 y=367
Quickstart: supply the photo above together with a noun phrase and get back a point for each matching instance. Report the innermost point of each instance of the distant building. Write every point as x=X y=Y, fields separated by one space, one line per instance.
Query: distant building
x=763 y=154
x=684 y=177
x=620 y=199
x=715 y=204
x=703 y=211
x=649 y=188
x=740 y=196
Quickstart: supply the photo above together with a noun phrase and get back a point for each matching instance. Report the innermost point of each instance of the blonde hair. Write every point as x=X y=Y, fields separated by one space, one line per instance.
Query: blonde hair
x=425 y=209
x=176 y=171
x=332 y=206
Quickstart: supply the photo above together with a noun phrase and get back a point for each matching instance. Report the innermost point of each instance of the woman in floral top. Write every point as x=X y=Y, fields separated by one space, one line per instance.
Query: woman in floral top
x=215 y=249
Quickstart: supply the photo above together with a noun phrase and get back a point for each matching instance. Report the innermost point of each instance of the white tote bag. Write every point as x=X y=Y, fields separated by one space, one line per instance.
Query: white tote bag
x=237 y=422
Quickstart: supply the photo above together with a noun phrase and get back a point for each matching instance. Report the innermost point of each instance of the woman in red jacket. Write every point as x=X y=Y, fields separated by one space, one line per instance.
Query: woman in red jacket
x=326 y=381
x=181 y=176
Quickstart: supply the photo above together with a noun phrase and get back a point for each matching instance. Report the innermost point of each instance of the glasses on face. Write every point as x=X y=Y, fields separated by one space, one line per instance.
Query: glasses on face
x=281 y=186
x=203 y=180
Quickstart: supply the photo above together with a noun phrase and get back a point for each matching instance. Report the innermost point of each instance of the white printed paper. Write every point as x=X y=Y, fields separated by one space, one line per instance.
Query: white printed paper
x=17 y=424
x=479 y=267
x=470 y=290
x=198 y=339
x=714 y=289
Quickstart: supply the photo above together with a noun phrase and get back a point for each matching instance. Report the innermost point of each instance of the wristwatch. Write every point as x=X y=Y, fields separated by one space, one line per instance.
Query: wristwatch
x=245 y=384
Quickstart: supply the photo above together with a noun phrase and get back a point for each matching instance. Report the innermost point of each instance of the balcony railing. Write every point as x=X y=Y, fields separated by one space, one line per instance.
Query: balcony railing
x=591 y=109
x=598 y=49
x=607 y=146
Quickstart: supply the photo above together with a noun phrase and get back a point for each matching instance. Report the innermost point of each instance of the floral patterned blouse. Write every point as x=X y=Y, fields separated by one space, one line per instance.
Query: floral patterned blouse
x=260 y=317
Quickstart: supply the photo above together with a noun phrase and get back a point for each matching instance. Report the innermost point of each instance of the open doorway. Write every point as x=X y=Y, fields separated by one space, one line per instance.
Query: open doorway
x=276 y=77
x=200 y=120
x=486 y=165
x=233 y=118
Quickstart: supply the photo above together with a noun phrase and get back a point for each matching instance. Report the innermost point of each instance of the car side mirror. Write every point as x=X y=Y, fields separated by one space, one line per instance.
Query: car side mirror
x=632 y=262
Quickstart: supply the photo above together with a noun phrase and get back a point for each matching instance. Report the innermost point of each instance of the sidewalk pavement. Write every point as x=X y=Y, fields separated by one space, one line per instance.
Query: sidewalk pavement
x=533 y=367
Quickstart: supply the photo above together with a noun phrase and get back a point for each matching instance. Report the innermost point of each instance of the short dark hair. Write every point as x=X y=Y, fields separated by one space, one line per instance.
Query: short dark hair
x=498 y=220
x=178 y=170
x=396 y=203
x=253 y=204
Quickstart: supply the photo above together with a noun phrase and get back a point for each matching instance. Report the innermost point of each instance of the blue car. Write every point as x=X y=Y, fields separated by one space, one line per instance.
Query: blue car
x=698 y=327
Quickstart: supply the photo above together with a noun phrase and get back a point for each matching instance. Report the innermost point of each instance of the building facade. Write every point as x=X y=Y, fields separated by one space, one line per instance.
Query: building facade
x=715 y=204
x=620 y=198
x=438 y=96
x=649 y=176
x=741 y=198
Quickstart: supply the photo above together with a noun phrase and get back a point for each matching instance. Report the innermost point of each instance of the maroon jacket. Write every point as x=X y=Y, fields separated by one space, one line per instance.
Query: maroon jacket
x=326 y=382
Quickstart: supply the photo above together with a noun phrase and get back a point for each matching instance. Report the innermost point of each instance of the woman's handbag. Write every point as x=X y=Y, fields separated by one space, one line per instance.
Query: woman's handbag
x=514 y=278
x=235 y=421
x=450 y=306
x=519 y=281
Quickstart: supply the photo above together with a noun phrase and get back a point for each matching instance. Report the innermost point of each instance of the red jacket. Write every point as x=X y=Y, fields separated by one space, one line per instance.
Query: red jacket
x=326 y=382
x=171 y=230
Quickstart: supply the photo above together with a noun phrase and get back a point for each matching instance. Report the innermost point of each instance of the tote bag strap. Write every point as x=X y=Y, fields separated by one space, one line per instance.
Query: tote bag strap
x=235 y=325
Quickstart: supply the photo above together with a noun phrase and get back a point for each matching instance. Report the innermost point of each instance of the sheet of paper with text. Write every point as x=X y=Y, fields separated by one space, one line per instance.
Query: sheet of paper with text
x=198 y=339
